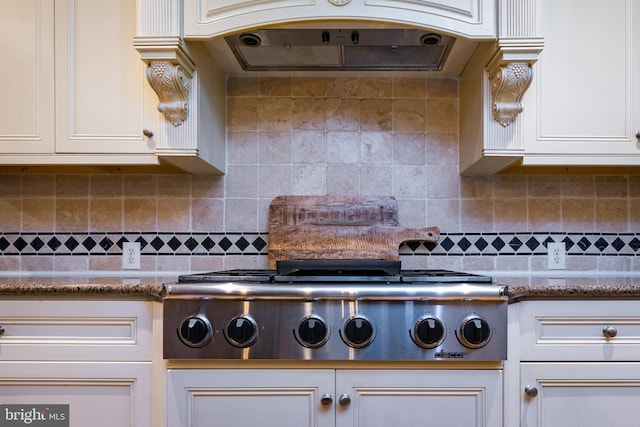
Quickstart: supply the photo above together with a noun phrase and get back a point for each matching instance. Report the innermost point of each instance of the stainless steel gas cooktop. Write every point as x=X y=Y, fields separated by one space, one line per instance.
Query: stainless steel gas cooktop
x=335 y=310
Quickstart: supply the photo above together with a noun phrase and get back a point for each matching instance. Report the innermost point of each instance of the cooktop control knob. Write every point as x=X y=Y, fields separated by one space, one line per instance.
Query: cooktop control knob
x=312 y=331
x=428 y=332
x=241 y=331
x=358 y=332
x=474 y=332
x=195 y=331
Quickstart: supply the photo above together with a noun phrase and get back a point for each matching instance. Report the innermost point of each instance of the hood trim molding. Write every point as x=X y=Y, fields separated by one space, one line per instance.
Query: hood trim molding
x=161 y=38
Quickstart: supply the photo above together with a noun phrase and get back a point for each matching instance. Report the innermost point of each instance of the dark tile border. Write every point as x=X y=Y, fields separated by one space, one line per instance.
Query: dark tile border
x=212 y=244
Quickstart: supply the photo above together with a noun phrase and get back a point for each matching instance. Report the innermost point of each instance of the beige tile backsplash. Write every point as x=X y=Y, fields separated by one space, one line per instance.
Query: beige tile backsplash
x=367 y=136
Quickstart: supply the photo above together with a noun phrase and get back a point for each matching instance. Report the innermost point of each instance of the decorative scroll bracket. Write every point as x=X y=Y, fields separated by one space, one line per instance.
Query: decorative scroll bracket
x=169 y=72
x=172 y=85
x=510 y=72
x=508 y=83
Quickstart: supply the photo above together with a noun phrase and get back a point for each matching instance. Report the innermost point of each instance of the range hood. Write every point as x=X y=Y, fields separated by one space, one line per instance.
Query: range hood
x=353 y=49
x=191 y=47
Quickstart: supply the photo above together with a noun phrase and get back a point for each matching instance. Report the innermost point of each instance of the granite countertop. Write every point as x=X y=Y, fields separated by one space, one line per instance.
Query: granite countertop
x=521 y=287
x=147 y=287
x=572 y=286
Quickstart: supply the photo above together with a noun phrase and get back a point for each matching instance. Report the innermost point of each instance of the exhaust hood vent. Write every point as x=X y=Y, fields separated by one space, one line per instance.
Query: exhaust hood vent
x=340 y=49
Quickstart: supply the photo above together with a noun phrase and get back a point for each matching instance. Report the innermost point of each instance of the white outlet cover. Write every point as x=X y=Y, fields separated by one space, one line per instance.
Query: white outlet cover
x=131 y=256
x=557 y=254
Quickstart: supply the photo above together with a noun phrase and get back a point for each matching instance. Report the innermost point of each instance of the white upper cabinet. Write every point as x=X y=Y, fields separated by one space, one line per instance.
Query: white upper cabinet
x=103 y=102
x=584 y=107
x=75 y=92
x=26 y=86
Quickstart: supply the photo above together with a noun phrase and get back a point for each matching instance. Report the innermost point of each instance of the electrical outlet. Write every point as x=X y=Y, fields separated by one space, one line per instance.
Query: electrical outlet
x=131 y=256
x=557 y=255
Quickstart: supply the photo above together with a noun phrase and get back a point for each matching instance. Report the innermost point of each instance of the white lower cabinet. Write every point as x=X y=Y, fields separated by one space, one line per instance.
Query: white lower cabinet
x=327 y=397
x=579 y=363
x=580 y=394
x=99 y=394
x=95 y=356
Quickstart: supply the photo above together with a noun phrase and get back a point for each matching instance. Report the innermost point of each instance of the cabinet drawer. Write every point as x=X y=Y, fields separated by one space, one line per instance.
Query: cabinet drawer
x=579 y=330
x=76 y=330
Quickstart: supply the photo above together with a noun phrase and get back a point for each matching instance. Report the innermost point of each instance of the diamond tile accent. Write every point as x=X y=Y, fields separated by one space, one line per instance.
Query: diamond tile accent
x=157 y=243
x=4 y=244
x=618 y=244
x=532 y=243
x=220 y=244
x=464 y=244
x=20 y=243
x=498 y=243
x=37 y=243
x=481 y=244
x=259 y=243
x=515 y=243
x=208 y=243
x=191 y=243
x=601 y=244
x=447 y=243
x=105 y=243
x=174 y=243
x=225 y=244
x=584 y=243
x=413 y=246
x=53 y=243
x=70 y=244
x=89 y=243
x=242 y=243
x=568 y=243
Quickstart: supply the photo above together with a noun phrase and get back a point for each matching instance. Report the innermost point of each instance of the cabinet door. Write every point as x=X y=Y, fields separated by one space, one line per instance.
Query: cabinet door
x=581 y=394
x=587 y=85
x=249 y=397
x=98 y=394
x=409 y=398
x=102 y=100
x=26 y=86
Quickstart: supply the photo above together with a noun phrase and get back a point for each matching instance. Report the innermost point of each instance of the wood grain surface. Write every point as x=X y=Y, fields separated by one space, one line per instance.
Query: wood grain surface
x=338 y=227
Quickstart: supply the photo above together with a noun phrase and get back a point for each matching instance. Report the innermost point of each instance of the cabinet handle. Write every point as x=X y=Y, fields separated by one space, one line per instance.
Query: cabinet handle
x=326 y=400
x=147 y=132
x=638 y=135
x=1 y=330
x=609 y=332
x=531 y=391
x=344 y=399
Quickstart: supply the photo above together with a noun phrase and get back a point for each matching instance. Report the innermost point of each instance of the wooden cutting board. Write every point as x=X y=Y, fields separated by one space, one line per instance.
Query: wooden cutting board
x=338 y=227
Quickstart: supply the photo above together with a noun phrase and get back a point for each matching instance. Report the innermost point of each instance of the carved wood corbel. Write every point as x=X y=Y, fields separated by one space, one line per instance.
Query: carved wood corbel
x=172 y=84
x=509 y=81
